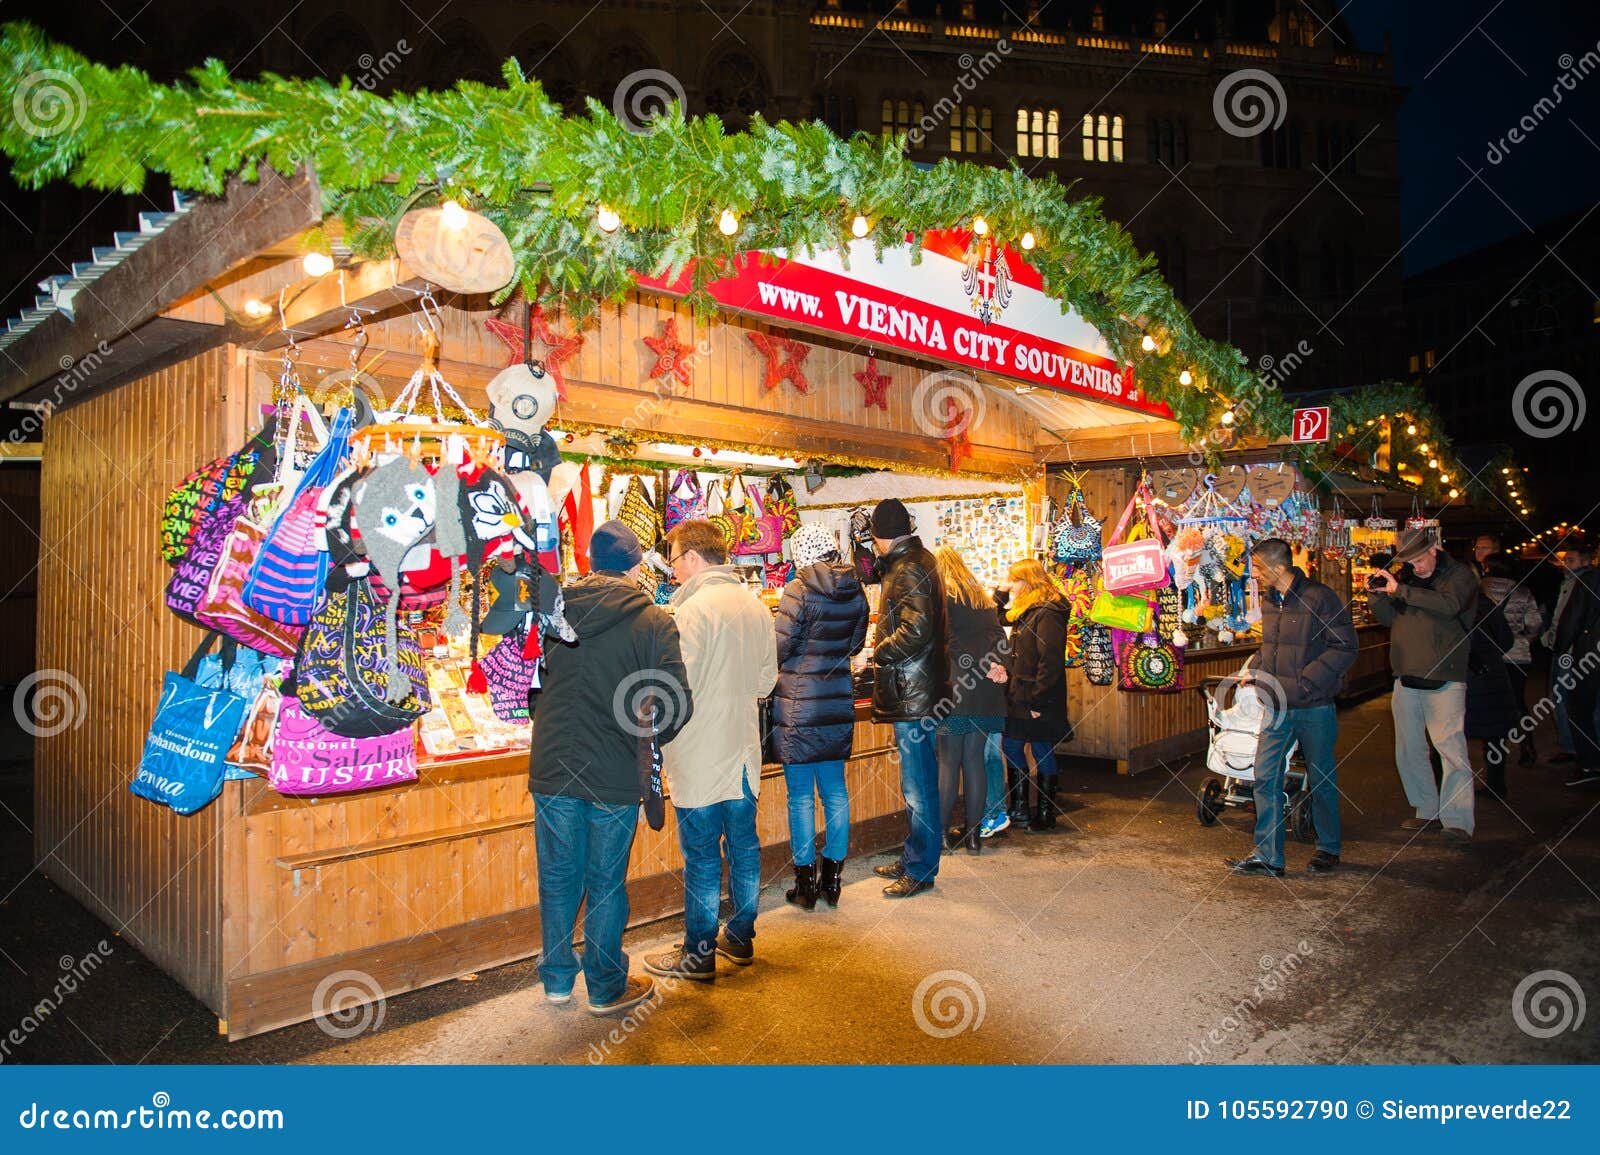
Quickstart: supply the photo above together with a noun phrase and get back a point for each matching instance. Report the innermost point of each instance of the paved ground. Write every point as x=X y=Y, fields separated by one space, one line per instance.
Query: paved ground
x=1118 y=939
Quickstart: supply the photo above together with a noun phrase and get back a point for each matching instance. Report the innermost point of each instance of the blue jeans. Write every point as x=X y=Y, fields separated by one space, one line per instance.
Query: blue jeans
x=583 y=850
x=807 y=779
x=701 y=832
x=919 y=781
x=1044 y=756
x=1315 y=728
x=994 y=765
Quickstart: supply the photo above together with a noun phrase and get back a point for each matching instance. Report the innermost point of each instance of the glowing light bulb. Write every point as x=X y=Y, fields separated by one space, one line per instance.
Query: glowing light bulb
x=860 y=227
x=455 y=217
x=257 y=308
x=1148 y=344
x=1433 y=463
x=1443 y=477
x=1423 y=448
x=1454 y=493
x=1227 y=417
x=1028 y=241
x=1186 y=378
x=1411 y=429
x=980 y=227
x=317 y=264
x=1506 y=470
x=727 y=223
x=607 y=219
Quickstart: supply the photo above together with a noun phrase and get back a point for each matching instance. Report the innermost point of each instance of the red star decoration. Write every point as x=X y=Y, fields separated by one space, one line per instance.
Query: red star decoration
x=556 y=348
x=956 y=420
x=674 y=359
x=874 y=386
x=785 y=358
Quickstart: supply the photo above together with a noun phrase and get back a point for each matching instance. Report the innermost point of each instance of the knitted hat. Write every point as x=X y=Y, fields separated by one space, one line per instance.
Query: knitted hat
x=891 y=519
x=395 y=512
x=614 y=547
x=811 y=543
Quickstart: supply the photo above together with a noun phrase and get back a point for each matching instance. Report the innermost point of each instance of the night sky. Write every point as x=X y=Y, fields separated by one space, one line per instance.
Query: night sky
x=1463 y=62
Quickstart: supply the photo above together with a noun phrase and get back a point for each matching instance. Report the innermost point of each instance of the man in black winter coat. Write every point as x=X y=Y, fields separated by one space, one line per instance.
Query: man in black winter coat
x=1308 y=644
x=911 y=685
x=583 y=766
x=1577 y=669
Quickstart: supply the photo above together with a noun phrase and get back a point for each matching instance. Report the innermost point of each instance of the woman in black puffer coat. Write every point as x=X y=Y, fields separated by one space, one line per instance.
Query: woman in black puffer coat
x=1036 y=694
x=822 y=623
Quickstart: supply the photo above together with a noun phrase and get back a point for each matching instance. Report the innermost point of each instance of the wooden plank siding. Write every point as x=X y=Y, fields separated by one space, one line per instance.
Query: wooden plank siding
x=109 y=462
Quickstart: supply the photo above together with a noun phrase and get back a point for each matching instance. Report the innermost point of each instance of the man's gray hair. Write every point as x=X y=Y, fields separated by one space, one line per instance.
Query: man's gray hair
x=1274 y=551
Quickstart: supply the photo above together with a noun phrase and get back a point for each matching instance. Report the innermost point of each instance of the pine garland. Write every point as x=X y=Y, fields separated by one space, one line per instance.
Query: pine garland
x=509 y=153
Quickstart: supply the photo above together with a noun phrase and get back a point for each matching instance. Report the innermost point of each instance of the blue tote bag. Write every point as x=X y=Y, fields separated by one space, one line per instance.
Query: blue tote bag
x=184 y=755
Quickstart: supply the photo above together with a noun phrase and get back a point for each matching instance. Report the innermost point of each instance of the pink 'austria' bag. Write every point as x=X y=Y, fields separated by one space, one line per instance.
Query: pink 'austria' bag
x=308 y=758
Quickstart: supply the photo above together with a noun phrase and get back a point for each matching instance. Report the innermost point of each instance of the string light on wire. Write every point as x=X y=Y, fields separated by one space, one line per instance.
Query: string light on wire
x=1028 y=241
x=607 y=218
x=454 y=216
x=980 y=227
x=860 y=227
x=1186 y=378
x=727 y=223
x=1148 y=344
x=317 y=264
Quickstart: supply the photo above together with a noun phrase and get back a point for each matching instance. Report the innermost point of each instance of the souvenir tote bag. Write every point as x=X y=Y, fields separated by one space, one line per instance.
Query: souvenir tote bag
x=308 y=758
x=1131 y=612
x=781 y=503
x=285 y=584
x=638 y=513
x=1130 y=567
x=197 y=495
x=511 y=674
x=244 y=672
x=183 y=761
x=251 y=752
x=764 y=530
x=1075 y=537
x=686 y=499
x=343 y=668
x=1099 y=661
x=191 y=576
x=1146 y=663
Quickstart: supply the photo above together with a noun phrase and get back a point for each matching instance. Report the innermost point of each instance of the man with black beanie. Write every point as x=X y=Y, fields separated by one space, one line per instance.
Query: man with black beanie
x=911 y=682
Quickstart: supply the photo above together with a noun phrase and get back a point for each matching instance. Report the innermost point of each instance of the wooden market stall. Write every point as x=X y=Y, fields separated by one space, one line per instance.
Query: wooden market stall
x=259 y=901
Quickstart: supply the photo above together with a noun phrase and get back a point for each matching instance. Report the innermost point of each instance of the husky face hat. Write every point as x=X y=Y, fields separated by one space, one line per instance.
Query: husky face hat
x=396 y=508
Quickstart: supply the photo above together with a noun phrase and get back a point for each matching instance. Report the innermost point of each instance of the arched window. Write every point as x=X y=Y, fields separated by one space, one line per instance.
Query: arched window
x=736 y=89
x=1039 y=133
x=1102 y=137
x=901 y=115
x=972 y=130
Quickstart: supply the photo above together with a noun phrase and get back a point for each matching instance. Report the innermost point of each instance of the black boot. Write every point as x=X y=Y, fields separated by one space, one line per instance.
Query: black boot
x=1044 y=813
x=1017 y=796
x=829 y=885
x=804 y=892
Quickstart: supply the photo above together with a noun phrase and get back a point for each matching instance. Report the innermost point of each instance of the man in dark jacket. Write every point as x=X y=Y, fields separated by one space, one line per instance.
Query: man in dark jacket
x=1428 y=615
x=1308 y=644
x=1577 y=669
x=583 y=766
x=911 y=684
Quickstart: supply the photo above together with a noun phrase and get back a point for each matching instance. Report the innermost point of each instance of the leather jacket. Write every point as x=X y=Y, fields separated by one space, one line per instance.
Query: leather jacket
x=910 y=646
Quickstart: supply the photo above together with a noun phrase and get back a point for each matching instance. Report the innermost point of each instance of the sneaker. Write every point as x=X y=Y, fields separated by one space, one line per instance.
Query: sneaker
x=558 y=997
x=992 y=826
x=1322 y=862
x=740 y=954
x=1420 y=824
x=639 y=988
x=1585 y=777
x=1456 y=834
x=679 y=964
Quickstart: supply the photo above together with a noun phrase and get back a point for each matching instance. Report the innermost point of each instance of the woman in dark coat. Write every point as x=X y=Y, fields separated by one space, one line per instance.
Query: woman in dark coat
x=1491 y=703
x=1036 y=694
x=976 y=642
x=822 y=623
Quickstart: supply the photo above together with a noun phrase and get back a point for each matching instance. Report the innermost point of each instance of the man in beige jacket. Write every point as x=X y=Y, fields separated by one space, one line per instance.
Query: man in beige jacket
x=713 y=767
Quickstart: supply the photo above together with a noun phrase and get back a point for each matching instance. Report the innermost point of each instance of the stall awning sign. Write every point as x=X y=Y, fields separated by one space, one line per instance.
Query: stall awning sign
x=969 y=302
x=1310 y=424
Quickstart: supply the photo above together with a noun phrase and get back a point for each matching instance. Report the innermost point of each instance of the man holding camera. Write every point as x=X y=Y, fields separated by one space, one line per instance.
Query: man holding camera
x=1429 y=609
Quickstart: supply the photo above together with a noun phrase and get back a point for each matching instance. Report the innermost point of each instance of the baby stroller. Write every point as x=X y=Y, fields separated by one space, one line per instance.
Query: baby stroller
x=1235 y=721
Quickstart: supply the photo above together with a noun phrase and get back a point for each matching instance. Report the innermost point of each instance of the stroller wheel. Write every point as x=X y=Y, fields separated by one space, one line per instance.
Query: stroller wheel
x=1300 y=821
x=1209 y=804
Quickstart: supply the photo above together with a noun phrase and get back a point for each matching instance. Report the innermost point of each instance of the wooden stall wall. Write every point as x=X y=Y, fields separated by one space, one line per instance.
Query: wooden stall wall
x=108 y=465
x=19 y=570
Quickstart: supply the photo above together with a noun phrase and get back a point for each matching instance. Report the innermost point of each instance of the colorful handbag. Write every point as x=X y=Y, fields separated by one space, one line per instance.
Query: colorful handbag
x=1146 y=663
x=684 y=506
x=202 y=491
x=638 y=513
x=244 y=672
x=224 y=607
x=1169 y=611
x=761 y=532
x=1131 y=612
x=1099 y=661
x=183 y=761
x=307 y=758
x=781 y=503
x=251 y=753
x=286 y=581
x=729 y=521
x=342 y=668
x=191 y=576
x=1076 y=541
x=1130 y=567
x=511 y=676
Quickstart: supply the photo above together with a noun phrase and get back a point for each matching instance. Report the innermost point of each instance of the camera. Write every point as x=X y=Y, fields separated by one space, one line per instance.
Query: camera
x=1382 y=561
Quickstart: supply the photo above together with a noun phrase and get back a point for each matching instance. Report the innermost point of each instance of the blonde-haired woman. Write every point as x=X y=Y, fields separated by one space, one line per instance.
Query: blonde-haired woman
x=976 y=643
x=1036 y=694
